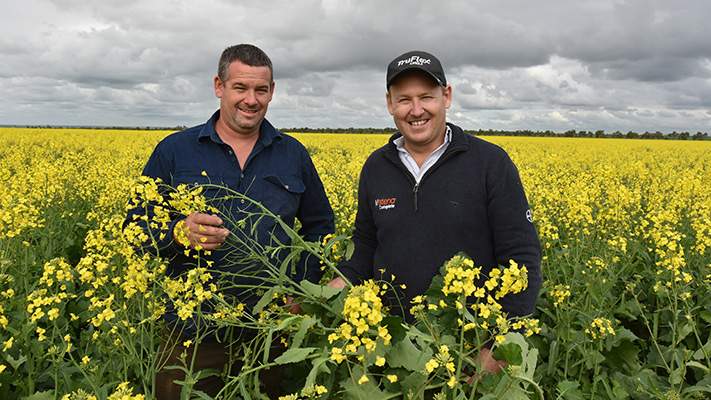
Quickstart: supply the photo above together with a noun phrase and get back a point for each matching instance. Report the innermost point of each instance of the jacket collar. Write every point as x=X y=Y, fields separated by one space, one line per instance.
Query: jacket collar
x=267 y=132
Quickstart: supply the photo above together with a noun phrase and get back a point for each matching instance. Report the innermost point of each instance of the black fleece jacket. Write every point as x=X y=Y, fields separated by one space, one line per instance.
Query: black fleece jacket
x=471 y=200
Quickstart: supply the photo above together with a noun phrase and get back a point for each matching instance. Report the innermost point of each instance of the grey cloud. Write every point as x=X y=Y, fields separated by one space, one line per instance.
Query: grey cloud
x=656 y=69
x=310 y=85
x=556 y=65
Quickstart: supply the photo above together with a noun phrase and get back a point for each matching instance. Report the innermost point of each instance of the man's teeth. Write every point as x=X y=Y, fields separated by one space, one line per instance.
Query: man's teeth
x=419 y=122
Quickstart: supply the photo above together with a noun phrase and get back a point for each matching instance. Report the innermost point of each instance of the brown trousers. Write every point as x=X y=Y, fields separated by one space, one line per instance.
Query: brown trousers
x=208 y=355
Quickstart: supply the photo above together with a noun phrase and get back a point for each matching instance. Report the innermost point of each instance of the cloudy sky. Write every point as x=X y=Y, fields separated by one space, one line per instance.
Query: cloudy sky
x=589 y=64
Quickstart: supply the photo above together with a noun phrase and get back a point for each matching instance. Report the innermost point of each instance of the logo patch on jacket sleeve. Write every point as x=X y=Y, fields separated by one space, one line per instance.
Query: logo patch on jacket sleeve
x=385 y=204
x=529 y=215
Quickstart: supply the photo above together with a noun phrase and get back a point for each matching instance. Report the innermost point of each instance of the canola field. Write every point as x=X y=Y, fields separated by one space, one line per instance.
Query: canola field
x=625 y=226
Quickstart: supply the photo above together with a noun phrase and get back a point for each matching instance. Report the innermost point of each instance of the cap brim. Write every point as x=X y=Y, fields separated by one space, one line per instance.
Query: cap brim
x=414 y=68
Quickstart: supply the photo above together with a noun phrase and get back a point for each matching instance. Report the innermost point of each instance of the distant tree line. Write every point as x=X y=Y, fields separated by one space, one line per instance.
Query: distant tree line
x=526 y=132
x=479 y=132
x=595 y=134
x=125 y=128
x=340 y=130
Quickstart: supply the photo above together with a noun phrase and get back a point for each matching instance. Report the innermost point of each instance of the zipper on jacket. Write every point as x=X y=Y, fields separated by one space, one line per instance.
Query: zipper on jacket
x=414 y=192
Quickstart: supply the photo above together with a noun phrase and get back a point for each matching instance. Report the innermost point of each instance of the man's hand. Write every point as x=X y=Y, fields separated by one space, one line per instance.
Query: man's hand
x=202 y=230
x=337 y=283
x=488 y=363
x=292 y=306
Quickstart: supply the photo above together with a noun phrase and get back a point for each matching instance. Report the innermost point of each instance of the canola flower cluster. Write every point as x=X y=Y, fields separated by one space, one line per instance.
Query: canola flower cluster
x=625 y=226
x=310 y=392
x=361 y=333
x=122 y=392
x=443 y=360
x=599 y=328
x=478 y=306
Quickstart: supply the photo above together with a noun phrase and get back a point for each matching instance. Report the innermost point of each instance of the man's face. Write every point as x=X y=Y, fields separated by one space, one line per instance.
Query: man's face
x=244 y=96
x=419 y=106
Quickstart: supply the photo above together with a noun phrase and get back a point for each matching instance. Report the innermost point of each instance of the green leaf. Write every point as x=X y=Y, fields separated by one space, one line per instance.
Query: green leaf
x=594 y=357
x=319 y=366
x=684 y=331
x=509 y=389
x=509 y=352
x=266 y=298
x=413 y=383
x=306 y=323
x=706 y=316
x=294 y=355
x=395 y=327
x=700 y=366
x=46 y=395
x=287 y=322
x=702 y=386
x=624 y=357
x=200 y=395
x=350 y=248
x=406 y=355
x=366 y=391
x=15 y=363
x=677 y=376
x=568 y=390
x=324 y=292
x=699 y=354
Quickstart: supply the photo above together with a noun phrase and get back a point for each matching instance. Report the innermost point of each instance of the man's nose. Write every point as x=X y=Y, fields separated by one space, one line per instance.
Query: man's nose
x=250 y=98
x=417 y=108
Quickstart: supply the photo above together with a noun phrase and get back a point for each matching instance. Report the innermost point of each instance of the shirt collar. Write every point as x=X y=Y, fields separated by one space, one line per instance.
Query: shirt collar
x=267 y=132
x=400 y=141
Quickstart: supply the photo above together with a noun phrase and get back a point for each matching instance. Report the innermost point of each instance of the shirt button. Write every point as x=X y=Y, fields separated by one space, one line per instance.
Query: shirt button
x=286 y=187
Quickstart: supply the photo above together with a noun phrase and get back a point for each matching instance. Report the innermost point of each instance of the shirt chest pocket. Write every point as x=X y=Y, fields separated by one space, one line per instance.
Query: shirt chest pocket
x=282 y=194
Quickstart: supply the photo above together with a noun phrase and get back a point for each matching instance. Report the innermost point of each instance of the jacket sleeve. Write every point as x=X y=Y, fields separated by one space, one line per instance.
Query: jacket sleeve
x=360 y=265
x=513 y=232
x=316 y=217
x=161 y=242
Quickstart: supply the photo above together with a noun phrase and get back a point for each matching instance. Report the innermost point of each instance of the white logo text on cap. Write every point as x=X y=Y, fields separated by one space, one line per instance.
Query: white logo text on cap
x=414 y=60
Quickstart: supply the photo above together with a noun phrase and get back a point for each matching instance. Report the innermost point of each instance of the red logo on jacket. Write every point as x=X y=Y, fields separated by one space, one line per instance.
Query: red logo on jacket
x=385 y=204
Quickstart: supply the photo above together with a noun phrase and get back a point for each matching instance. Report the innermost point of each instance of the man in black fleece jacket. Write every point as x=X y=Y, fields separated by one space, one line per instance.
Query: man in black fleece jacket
x=434 y=191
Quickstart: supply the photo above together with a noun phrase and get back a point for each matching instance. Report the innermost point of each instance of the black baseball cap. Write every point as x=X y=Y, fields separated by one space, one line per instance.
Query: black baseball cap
x=416 y=60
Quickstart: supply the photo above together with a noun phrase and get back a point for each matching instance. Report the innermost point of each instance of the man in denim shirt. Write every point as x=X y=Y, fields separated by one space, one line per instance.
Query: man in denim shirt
x=237 y=148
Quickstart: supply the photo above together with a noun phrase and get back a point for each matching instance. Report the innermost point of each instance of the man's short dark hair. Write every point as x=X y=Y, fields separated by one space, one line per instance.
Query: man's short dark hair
x=246 y=54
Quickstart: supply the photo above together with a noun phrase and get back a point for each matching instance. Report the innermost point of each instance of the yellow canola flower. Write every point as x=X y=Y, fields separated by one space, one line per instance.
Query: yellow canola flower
x=124 y=392
x=337 y=355
x=460 y=275
x=431 y=365
x=600 y=328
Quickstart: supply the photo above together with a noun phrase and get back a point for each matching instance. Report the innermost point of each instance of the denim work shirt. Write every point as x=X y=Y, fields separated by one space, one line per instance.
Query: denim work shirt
x=278 y=173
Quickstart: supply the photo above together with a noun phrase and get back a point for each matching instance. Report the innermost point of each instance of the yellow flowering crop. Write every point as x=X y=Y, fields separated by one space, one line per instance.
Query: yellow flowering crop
x=625 y=227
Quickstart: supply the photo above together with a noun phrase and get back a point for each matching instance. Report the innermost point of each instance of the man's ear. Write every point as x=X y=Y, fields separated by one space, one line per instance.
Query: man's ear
x=389 y=102
x=447 y=93
x=219 y=87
